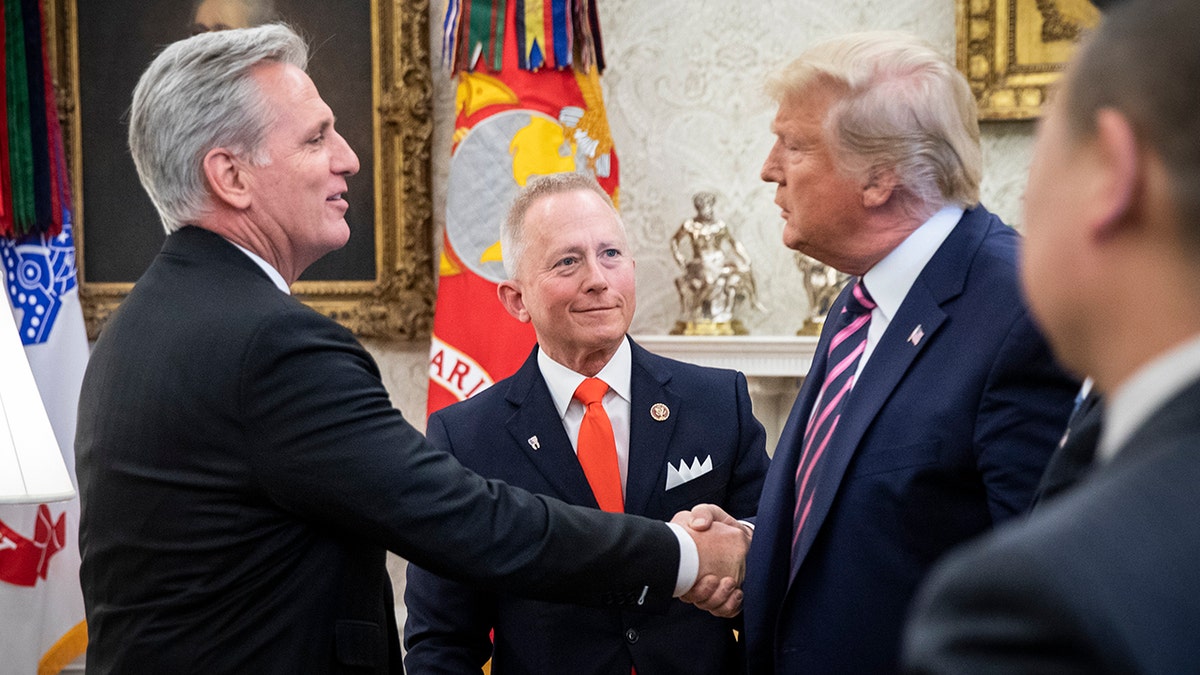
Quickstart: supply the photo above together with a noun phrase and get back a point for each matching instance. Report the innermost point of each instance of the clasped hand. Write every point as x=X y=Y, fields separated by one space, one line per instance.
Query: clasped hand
x=722 y=543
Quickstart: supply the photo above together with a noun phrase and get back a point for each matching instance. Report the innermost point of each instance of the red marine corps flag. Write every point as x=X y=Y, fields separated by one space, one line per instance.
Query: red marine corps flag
x=528 y=104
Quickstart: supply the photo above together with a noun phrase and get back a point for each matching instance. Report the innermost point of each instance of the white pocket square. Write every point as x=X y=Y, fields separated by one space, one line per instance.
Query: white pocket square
x=685 y=473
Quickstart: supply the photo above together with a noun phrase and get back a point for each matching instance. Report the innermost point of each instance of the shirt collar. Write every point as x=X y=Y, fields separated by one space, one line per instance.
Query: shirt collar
x=276 y=277
x=890 y=279
x=563 y=381
x=1152 y=385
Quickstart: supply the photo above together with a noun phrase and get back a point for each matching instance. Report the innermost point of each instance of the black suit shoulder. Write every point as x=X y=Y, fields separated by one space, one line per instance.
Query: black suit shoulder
x=256 y=472
x=1103 y=579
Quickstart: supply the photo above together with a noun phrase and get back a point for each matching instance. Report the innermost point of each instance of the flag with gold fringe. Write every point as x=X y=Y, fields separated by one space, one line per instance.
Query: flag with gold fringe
x=528 y=103
x=41 y=605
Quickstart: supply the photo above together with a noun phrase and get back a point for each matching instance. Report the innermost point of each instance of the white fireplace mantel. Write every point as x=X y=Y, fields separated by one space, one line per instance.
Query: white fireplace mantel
x=754 y=355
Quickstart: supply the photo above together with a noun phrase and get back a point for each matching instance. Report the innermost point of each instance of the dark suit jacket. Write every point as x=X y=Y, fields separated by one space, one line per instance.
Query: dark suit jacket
x=1102 y=579
x=242 y=470
x=1073 y=458
x=710 y=417
x=938 y=441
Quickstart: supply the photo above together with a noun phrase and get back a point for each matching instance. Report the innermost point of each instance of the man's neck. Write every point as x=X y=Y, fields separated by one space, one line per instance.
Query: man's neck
x=239 y=230
x=586 y=363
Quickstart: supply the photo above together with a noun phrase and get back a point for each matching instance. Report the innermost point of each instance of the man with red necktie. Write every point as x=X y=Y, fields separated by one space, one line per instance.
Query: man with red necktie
x=592 y=419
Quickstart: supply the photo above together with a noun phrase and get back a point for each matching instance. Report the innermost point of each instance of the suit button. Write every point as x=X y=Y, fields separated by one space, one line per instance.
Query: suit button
x=631 y=636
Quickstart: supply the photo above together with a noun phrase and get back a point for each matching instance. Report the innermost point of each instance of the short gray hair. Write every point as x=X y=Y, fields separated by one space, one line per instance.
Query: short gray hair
x=900 y=106
x=512 y=230
x=199 y=94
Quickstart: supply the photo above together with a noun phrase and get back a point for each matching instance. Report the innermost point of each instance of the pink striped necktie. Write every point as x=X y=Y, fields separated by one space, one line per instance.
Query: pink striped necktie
x=845 y=351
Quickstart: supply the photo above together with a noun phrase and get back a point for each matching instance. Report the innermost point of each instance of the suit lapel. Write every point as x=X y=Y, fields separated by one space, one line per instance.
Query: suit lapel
x=890 y=361
x=780 y=483
x=911 y=330
x=648 y=438
x=536 y=417
x=770 y=549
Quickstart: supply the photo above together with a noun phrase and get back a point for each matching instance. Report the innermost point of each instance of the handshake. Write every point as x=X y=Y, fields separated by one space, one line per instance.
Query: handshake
x=722 y=543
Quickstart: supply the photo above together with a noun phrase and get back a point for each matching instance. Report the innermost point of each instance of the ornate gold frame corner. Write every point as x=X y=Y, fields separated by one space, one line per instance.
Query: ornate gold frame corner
x=1012 y=51
x=398 y=303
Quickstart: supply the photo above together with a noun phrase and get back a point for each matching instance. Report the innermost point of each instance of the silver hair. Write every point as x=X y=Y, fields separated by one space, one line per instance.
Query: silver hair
x=199 y=94
x=512 y=230
x=900 y=106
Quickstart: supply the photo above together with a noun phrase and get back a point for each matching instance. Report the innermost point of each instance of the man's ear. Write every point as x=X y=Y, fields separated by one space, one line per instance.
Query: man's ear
x=511 y=297
x=881 y=182
x=226 y=178
x=1118 y=173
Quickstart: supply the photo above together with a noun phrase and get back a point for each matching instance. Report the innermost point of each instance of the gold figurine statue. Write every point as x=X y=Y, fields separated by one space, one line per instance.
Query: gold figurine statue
x=717 y=280
x=822 y=284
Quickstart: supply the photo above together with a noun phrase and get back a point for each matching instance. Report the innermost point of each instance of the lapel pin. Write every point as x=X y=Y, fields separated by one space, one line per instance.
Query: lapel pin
x=534 y=443
x=660 y=412
x=915 y=336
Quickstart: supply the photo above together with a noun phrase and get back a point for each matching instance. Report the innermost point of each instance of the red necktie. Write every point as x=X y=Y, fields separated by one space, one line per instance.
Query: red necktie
x=596 y=447
x=845 y=351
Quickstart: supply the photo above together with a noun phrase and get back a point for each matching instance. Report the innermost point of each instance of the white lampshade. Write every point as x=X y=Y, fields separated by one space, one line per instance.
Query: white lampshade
x=32 y=470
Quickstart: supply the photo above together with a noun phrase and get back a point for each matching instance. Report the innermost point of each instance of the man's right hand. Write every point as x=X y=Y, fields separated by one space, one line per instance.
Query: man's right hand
x=722 y=543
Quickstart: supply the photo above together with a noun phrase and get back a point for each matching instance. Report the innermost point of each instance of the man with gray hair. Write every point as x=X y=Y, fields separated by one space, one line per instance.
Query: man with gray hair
x=676 y=434
x=1104 y=578
x=241 y=469
x=933 y=403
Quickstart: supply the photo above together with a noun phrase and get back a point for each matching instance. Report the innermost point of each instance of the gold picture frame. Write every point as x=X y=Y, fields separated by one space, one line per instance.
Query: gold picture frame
x=1012 y=51
x=388 y=290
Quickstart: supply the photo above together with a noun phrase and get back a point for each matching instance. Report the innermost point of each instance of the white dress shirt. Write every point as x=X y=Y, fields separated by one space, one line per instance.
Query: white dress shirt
x=617 y=373
x=890 y=279
x=1152 y=385
x=562 y=382
x=276 y=277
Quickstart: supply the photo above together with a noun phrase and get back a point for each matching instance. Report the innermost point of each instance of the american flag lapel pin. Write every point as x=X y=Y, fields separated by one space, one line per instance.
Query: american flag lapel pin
x=534 y=443
x=915 y=336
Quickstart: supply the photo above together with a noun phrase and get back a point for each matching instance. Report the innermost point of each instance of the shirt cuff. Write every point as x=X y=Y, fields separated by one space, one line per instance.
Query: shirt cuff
x=689 y=560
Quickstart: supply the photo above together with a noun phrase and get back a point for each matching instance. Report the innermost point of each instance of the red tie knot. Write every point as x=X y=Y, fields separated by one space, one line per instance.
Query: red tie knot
x=591 y=391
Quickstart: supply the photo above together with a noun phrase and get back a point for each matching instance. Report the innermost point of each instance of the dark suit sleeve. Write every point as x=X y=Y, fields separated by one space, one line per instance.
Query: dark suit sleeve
x=326 y=444
x=745 y=485
x=998 y=609
x=448 y=625
x=1023 y=412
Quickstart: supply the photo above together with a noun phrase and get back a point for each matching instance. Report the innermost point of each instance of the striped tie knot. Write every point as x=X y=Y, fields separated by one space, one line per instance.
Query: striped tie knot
x=860 y=301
